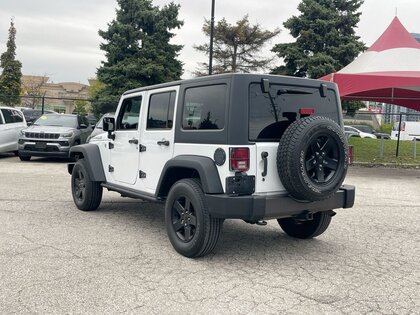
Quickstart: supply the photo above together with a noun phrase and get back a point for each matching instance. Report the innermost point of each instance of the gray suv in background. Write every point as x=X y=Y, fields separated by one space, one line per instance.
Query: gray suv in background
x=52 y=135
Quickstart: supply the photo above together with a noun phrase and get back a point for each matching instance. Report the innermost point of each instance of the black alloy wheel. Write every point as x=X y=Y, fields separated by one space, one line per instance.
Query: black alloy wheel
x=183 y=218
x=192 y=231
x=312 y=158
x=79 y=185
x=322 y=158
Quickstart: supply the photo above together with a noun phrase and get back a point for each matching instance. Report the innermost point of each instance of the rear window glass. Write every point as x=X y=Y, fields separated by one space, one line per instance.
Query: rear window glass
x=268 y=119
x=204 y=108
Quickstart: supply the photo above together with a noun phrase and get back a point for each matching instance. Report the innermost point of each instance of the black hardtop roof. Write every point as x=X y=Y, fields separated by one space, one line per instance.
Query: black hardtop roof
x=243 y=76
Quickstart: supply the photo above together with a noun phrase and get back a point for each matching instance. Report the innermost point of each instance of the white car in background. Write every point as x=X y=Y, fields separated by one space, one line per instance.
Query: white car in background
x=99 y=128
x=361 y=134
x=12 y=122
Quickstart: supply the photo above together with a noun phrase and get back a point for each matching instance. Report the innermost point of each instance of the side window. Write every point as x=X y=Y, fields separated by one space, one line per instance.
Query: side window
x=128 y=117
x=1 y=119
x=161 y=111
x=8 y=116
x=83 y=120
x=204 y=107
x=18 y=116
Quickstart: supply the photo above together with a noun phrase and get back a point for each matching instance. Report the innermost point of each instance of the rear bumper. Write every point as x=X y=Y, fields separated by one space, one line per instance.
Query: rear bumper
x=256 y=207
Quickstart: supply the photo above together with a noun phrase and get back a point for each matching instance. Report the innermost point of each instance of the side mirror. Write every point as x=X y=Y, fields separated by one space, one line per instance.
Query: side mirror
x=109 y=125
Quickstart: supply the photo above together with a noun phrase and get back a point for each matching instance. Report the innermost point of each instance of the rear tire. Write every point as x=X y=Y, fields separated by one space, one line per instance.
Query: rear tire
x=191 y=229
x=87 y=195
x=306 y=229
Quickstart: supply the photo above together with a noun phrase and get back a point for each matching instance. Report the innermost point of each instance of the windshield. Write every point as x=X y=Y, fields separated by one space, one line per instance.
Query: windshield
x=57 y=120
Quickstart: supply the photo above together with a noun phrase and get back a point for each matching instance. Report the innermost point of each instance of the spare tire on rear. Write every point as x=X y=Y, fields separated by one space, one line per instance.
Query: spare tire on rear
x=312 y=158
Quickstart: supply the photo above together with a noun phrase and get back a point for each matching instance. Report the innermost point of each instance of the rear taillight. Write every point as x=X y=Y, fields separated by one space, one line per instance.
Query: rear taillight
x=239 y=159
x=306 y=111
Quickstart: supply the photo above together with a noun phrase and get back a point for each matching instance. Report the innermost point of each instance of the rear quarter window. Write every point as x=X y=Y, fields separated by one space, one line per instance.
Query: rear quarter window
x=204 y=107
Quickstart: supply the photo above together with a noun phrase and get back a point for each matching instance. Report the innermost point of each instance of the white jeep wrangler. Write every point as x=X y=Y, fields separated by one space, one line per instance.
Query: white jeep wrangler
x=233 y=146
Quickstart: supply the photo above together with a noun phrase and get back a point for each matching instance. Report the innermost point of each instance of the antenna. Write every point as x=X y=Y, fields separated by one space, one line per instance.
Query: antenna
x=396 y=11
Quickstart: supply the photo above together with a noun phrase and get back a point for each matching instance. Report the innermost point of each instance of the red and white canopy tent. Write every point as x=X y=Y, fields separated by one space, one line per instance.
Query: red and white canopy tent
x=388 y=72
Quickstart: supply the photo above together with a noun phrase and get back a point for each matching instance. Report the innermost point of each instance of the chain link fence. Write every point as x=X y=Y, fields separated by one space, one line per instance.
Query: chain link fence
x=384 y=138
x=65 y=105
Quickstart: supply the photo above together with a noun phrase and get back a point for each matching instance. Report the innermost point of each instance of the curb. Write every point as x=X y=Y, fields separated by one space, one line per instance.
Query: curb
x=386 y=165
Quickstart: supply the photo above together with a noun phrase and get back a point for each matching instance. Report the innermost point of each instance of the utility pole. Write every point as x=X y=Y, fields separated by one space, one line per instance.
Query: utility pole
x=43 y=103
x=211 y=38
x=399 y=132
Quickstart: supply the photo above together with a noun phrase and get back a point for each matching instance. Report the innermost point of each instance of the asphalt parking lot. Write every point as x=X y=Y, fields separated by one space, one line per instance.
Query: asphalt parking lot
x=57 y=259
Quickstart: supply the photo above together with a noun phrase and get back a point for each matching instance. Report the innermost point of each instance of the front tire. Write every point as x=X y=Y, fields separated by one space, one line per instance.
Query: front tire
x=306 y=229
x=191 y=229
x=24 y=157
x=87 y=195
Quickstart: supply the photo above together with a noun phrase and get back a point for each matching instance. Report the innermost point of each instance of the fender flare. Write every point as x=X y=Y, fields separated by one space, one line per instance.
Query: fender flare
x=204 y=166
x=91 y=155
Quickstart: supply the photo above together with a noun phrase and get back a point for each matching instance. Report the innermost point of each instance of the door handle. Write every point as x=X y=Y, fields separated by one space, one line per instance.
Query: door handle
x=163 y=142
x=133 y=141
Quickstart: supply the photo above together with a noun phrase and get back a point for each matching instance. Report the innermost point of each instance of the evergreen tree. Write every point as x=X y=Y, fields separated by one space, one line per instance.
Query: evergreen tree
x=137 y=51
x=11 y=75
x=325 y=38
x=236 y=47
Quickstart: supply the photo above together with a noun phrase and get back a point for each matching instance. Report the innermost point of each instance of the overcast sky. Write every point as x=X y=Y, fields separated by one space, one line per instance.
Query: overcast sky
x=60 y=37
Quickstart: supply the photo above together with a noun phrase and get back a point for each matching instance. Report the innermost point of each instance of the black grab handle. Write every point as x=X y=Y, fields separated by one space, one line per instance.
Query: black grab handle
x=264 y=157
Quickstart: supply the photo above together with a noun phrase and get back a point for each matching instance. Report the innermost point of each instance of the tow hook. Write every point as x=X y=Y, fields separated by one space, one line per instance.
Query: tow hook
x=304 y=216
x=309 y=216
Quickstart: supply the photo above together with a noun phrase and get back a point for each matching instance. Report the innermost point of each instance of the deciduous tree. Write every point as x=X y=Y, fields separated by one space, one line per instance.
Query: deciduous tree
x=80 y=107
x=33 y=89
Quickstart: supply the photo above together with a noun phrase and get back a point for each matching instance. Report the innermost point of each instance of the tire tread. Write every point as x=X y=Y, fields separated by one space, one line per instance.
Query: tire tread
x=288 y=165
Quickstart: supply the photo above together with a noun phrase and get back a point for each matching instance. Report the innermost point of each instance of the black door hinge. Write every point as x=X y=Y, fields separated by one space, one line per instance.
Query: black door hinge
x=110 y=145
x=110 y=168
x=142 y=148
x=142 y=174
